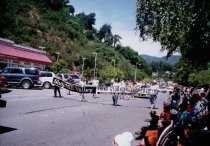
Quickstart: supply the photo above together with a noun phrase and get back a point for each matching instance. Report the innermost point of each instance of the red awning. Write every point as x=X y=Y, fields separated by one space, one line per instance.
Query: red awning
x=23 y=55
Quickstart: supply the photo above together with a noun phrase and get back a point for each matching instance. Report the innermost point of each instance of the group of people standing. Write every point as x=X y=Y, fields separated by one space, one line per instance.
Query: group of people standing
x=94 y=82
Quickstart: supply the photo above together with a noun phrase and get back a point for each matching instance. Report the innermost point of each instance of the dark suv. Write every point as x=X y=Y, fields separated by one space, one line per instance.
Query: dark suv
x=25 y=77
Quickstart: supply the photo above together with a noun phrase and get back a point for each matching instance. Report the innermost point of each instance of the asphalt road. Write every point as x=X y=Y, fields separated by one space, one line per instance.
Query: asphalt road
x=36 y=118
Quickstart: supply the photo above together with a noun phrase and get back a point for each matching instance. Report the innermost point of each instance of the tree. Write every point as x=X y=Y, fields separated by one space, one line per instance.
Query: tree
x=87 y=20
x=57 y=4
x=108 y=72
x=71 y=9
x=91 y=21
x=180 y=26
x=60 y=66
x=104 y=31
x=201 y=78
x=116 y=39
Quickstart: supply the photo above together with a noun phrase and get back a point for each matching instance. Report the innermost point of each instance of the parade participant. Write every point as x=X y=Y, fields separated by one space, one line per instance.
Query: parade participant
x=95 y=83
x=115 y=99
x=56 y=87
x=153 y=97
x=82 y=83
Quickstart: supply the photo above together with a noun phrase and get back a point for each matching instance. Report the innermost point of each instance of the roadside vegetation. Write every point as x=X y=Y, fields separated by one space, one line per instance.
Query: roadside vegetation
x=180 y=26
x=68 y=38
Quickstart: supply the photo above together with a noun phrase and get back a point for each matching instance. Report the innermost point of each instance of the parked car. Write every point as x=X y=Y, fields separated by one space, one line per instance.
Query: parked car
x=46 y=78
x=2 y=80
x=25 y=77
x=74 y=78
x=64 y=77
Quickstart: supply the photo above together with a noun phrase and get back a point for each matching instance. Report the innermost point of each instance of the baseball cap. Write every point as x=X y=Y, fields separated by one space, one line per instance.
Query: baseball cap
x=124 y=139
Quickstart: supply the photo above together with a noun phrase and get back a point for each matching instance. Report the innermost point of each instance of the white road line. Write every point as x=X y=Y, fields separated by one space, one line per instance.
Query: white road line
x=24 y=99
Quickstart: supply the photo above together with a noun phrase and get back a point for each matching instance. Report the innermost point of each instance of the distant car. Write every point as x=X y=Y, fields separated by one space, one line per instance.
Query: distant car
x=25 y=77
x=47 y=79
x=64 y=77
x=74 y=78
x=105 y=84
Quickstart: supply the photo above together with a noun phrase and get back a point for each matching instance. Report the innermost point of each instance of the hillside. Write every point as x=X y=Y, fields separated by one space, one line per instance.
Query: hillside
x=53 y=25
x=171 y=60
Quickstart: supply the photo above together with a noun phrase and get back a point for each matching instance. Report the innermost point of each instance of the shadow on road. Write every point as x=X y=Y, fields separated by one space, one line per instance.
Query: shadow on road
x=4 y=129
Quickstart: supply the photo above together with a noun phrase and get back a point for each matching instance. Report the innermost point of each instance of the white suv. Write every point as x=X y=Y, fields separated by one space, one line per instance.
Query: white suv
x=47 y=79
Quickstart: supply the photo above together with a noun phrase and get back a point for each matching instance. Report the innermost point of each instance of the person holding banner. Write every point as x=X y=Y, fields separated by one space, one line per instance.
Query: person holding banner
x=56 y=87
x=95 y=83
x=82 y=83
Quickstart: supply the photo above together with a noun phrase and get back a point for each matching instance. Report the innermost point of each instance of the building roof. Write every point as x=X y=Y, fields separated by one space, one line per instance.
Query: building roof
x=23 y=54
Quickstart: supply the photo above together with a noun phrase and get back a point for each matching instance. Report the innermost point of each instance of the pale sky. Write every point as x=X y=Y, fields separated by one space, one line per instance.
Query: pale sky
x=120 y=14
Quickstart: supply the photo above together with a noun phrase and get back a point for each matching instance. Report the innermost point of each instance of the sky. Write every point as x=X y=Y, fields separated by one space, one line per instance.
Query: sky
x=121 y=15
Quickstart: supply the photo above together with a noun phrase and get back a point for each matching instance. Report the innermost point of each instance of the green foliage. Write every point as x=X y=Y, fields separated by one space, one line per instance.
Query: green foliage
x=108 y=72
x=180 y=26
x=52 y=24
x=161 y=66
x=60 y=66
x=147 y=80
x=57 y=4
x=116 y=40
x=71 y=9
x=184 y=69
x=87 y=21
x=104 y=32
x=200 y=79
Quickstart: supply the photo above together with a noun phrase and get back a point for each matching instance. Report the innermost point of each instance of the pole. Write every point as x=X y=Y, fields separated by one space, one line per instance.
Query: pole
x=136 y=70
x=58 y=53
x=83 y=63
x=95 y=64
x=41 y=47
x=114 y=64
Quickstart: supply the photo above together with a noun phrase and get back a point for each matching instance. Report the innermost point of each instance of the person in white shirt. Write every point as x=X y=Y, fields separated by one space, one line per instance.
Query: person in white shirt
x=95 y=83
x=153 y=97
x=82 y=83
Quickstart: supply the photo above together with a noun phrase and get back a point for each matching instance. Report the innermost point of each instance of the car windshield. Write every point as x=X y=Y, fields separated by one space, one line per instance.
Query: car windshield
x=32 y=71
x=74 y=76
x=65 y=76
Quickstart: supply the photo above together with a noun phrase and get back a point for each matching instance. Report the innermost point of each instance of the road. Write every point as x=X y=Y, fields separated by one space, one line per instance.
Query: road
x=36 y=118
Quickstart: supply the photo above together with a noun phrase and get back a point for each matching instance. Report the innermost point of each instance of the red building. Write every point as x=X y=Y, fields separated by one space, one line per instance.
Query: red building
x=12 y=54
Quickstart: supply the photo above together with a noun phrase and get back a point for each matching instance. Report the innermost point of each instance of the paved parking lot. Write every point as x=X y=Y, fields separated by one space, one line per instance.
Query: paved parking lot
x=35 y=117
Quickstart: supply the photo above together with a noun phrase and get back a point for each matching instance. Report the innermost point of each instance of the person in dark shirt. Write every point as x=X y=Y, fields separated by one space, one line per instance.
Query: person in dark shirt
x=153 y=125
x=57 y=88
x=115 y=99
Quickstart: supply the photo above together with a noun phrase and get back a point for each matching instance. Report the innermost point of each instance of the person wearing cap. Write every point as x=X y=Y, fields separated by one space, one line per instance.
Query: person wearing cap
x=124 y=139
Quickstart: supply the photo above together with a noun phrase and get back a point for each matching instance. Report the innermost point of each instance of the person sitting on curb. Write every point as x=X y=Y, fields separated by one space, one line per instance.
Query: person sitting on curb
x=153 y=125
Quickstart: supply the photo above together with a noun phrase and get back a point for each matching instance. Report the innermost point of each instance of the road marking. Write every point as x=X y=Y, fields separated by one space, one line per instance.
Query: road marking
x=25 y=99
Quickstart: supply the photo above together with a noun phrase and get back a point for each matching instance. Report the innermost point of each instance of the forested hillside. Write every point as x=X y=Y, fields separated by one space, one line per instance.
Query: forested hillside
x=53 y=25
x=173 y=60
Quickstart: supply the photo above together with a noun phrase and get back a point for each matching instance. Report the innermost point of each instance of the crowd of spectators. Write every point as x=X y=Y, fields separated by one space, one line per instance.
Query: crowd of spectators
x=188 y=111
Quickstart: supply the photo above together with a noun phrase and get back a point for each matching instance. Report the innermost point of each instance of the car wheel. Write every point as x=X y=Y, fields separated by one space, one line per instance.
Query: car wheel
x=46 y=85
x=26 y=84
